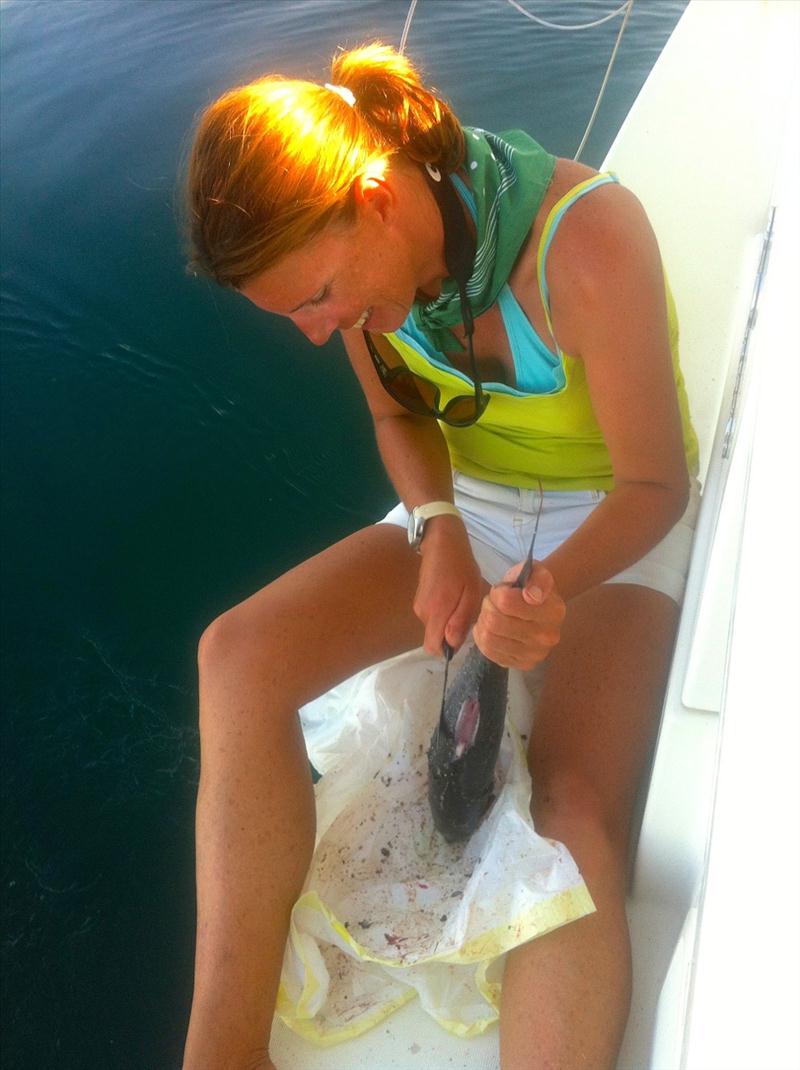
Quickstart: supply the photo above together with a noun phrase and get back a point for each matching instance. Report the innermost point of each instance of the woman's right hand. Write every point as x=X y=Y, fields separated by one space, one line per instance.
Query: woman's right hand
x=450 y=586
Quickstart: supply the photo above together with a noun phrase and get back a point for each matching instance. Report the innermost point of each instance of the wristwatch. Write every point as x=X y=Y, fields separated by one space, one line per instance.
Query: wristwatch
x=420 y=514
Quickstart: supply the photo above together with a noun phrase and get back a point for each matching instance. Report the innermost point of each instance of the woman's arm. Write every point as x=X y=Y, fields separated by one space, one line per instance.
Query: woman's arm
x=416 y=459
x=609 y=309
x=412 y=447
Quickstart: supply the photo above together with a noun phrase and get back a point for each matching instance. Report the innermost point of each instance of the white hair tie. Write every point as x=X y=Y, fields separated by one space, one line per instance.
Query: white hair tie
x=345 y=93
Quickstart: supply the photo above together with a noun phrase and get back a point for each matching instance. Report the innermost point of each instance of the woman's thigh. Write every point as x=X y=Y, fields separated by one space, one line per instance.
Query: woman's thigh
x=599 y=710
x=348 y=607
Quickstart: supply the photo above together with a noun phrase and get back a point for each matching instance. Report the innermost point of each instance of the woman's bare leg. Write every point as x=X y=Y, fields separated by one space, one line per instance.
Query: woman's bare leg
x=346 y=608
x=566 y=995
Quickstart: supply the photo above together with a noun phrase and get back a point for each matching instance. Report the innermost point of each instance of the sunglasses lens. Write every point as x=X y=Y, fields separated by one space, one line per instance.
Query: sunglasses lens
x=463 y=411
x=421 y=397
x=415 y=394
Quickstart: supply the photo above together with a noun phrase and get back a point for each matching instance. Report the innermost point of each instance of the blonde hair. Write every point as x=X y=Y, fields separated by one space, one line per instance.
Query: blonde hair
x=273 y=162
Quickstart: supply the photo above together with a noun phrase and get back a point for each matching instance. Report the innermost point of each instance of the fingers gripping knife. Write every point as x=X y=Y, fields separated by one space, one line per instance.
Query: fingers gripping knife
x=465 y=744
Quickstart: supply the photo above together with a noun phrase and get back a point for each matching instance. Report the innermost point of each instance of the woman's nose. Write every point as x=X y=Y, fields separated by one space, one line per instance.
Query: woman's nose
x=317 y=329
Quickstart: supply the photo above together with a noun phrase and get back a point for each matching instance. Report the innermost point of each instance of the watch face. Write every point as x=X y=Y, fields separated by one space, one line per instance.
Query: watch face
x=415 y=526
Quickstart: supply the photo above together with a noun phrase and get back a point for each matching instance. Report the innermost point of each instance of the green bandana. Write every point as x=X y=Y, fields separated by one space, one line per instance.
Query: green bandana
x=509 y=175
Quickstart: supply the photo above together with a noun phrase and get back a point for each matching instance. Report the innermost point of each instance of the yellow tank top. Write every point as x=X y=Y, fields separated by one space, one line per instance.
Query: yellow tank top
x=527 y=439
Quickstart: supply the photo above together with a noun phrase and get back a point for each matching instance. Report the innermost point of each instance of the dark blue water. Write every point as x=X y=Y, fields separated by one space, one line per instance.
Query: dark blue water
x=166 y=449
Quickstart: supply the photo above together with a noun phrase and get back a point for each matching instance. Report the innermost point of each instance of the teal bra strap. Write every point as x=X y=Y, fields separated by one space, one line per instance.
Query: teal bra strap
x=467 y=196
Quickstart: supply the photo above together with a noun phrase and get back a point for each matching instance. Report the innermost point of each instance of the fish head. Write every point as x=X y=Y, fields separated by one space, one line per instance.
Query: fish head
x=456 y=811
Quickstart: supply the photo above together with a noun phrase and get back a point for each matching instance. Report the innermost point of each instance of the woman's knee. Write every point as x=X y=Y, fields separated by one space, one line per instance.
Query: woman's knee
x=570 y=807
x=225 y=639
x=245 y=686
x=245 y=647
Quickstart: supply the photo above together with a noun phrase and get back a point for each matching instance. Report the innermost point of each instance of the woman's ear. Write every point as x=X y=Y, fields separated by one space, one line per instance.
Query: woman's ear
x=374 y=190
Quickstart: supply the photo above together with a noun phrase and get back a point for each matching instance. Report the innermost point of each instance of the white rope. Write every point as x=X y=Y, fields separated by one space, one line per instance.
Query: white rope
x=558 y=26
x=407 y=27
x=585 y=138
x=626 y=7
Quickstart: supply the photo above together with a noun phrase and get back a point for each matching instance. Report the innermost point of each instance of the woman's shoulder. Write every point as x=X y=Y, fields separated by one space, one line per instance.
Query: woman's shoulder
x=567 y=173
x=603 y=240
x=606 y=205
x=598 y=229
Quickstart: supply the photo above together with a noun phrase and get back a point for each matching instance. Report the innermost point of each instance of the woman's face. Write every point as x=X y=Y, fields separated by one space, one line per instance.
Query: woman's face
x=364 y=273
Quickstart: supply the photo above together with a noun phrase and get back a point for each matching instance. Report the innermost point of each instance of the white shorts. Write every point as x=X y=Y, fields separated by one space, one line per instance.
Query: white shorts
x=500 y=522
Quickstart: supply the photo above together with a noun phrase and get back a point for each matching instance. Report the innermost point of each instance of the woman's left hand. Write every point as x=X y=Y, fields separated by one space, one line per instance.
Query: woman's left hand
x=518 y=627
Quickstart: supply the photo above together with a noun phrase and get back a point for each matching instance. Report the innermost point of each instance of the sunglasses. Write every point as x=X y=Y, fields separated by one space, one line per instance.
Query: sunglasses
x=422 y=397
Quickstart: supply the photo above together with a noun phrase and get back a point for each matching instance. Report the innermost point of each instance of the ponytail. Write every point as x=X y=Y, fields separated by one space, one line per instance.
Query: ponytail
x=274 y=162
x=406 y=114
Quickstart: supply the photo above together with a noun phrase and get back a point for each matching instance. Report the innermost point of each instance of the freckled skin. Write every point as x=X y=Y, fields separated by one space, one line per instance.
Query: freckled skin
x=461 y=789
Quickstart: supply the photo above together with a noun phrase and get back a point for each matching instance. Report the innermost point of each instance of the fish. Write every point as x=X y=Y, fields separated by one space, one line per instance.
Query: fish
x=465 y=743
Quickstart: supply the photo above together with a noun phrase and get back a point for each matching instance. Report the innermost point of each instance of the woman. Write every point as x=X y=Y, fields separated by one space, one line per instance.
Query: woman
x=362 y=206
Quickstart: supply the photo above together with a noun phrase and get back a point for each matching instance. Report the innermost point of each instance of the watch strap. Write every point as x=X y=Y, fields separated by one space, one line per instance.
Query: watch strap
x=431 y=509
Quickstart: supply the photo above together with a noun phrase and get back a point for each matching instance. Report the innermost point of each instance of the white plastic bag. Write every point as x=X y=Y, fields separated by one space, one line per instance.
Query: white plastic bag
x=391 y=911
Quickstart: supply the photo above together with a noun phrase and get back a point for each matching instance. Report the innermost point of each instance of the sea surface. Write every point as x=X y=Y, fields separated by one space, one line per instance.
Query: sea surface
x=167 y=449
